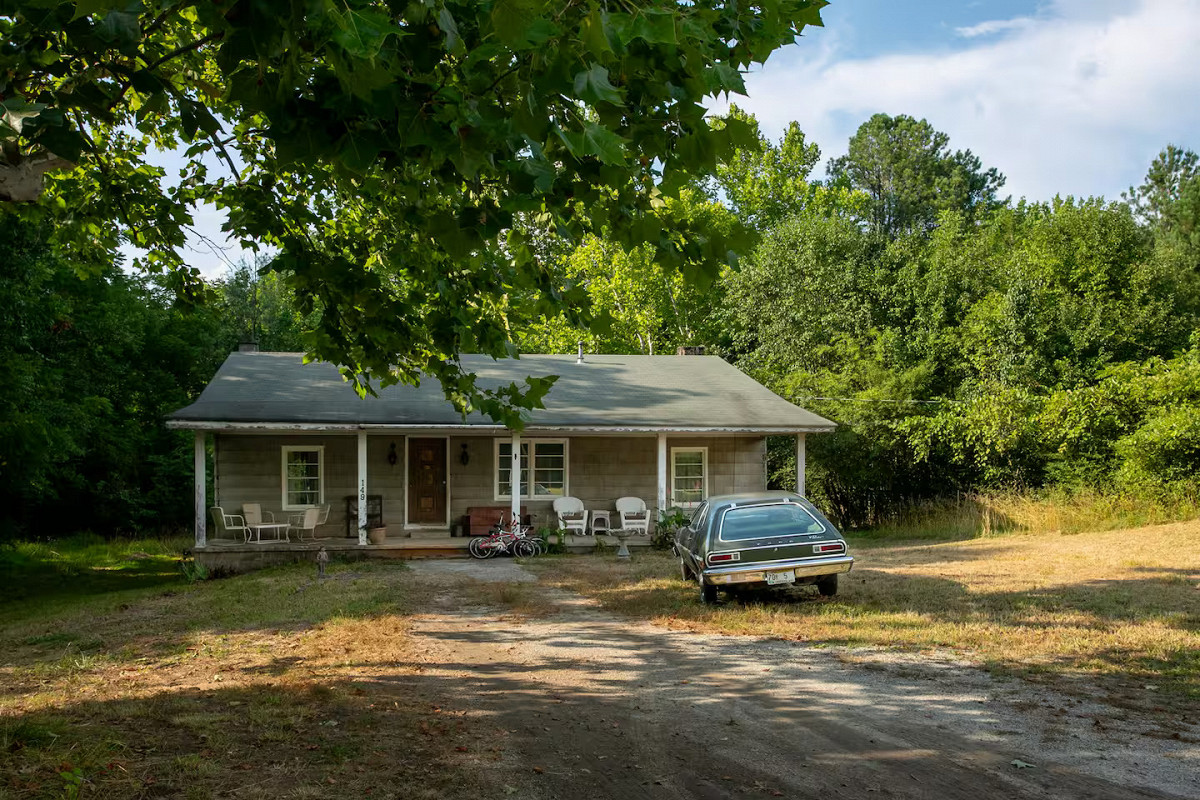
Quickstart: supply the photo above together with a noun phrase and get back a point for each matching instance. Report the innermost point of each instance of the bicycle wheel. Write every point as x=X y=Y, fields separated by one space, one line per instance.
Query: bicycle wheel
x=476 y=549
x=524 y=548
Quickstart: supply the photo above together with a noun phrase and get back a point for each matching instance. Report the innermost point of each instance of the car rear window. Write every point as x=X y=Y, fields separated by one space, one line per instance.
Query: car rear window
x=757 y=522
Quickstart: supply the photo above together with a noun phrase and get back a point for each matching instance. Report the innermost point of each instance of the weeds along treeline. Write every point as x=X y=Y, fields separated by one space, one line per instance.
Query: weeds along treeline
x=972 y=349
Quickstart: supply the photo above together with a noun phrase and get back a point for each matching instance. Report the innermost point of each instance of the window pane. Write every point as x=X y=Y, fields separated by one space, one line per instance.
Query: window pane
x=303 y=477
x=504 y=469
x=550 y=469
x=688 y=479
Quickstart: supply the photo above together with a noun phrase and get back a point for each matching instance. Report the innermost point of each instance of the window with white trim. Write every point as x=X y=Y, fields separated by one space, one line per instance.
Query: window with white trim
x=689 y=476
x=303 y=477
x=548 y=477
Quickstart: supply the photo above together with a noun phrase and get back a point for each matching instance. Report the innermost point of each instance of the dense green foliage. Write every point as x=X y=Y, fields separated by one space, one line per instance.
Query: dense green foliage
x=88 y=371
x=961 y=343
x=397 y=154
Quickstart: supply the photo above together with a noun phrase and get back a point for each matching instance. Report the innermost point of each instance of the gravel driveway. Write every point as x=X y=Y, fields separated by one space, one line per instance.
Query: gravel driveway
x=579 y=704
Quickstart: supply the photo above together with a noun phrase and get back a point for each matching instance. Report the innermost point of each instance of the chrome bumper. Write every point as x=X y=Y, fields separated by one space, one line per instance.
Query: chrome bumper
x=757 y=573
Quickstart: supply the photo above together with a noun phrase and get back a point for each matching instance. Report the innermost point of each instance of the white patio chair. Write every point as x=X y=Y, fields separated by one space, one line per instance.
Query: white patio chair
x=571 y=514
x=306 y=521
x=254 y=514
x=228 y=524
x=634 y=516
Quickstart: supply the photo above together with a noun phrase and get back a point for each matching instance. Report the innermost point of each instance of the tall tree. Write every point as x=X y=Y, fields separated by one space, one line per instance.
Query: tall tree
x=911 y=175
x=384 y=149
x=88 y=369
x=767 y=182
x=1169 y=198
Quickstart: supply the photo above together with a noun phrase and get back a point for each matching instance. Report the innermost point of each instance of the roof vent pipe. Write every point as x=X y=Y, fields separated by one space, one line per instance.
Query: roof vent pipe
x=579 y=360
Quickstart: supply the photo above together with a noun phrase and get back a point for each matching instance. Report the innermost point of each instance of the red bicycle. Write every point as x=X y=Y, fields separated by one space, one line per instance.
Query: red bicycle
x=513 y=540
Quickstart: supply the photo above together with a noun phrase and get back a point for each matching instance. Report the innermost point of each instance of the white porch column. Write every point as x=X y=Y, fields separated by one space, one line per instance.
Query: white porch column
x=518 y=480
x=662 y=475
x=800 y=458
x=201 y=493
x=362 y=487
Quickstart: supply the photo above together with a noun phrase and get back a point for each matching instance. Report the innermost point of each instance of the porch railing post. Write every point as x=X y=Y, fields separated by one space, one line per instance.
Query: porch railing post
x=201 y=492
x=800 y=464
x=362 y=488
x=518 y=480
x=662 y=475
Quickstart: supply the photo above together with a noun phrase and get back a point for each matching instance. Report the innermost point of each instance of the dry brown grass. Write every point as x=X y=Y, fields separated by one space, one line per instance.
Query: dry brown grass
x=1118 y=606
x=1073 y=510
x=266 y=685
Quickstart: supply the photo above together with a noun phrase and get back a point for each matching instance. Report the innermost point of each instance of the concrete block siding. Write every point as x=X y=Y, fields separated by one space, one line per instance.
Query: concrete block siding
x=248 y=469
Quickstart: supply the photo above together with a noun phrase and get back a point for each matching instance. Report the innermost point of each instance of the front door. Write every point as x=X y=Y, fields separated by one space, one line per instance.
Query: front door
x=427 y=481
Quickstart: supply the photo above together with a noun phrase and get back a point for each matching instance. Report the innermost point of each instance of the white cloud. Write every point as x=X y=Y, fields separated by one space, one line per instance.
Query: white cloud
x=1075 y=102
x=994 y=26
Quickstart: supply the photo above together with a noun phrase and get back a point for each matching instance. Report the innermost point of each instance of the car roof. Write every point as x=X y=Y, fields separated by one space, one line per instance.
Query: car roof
x=753 y=498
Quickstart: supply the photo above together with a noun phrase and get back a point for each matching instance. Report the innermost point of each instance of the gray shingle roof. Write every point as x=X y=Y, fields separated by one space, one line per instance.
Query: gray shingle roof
x=605 y=392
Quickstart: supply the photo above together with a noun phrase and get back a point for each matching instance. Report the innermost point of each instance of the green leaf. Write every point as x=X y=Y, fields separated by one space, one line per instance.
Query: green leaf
x=512 y=18
x=85 y=7
x=595 y=33
x=722 y=77
x=450 y=28
x=656 y=27
x=595 y=140
x=812 y=14
x=358 y=150
x=362 y=33
x=121 y=30
x=593 y=86
x=195 y=116
x=16 y=111
x=64 y=142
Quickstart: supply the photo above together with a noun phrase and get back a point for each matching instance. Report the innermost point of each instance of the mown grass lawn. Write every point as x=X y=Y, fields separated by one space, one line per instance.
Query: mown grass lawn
x=1118 y=610
x=118 y=678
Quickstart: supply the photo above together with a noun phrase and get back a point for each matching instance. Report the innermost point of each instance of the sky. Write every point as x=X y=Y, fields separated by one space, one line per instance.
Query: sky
x=1064 y=97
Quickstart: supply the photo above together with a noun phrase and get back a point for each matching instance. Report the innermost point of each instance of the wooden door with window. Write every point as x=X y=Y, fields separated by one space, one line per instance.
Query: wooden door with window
x=427 y=481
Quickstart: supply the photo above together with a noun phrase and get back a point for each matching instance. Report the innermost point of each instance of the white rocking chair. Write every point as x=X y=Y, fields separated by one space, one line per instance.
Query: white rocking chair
x=572 y=517
x=634 y=516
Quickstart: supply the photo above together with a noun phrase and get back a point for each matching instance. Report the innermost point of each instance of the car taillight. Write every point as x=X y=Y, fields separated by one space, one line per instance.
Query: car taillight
x=717 y=558
x=832 y=547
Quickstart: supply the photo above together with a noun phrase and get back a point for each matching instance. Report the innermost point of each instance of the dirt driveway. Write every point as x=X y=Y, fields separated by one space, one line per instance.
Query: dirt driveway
x=575 y=703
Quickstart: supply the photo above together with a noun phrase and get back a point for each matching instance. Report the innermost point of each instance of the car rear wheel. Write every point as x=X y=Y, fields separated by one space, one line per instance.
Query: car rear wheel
x=827 y=586
x=708 y=592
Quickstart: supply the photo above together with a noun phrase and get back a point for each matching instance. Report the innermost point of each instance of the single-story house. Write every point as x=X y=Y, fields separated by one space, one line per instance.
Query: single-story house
x=669 y=429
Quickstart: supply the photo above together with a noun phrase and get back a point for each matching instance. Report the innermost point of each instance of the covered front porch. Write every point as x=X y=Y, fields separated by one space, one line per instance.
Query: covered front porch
x=429 y=488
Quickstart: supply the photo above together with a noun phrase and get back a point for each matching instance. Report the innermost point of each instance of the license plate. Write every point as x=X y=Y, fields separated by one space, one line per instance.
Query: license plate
x=777 y=578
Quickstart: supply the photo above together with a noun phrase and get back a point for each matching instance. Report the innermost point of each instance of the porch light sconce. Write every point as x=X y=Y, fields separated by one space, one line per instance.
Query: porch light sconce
x=464 y=457
x=391 y=456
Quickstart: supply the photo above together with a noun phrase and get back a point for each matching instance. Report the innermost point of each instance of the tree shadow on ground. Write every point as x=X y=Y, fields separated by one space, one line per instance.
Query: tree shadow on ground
x=474 y=723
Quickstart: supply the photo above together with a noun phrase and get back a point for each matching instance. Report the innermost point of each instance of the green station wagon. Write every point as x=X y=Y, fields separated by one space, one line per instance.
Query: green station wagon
x=750 y=541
